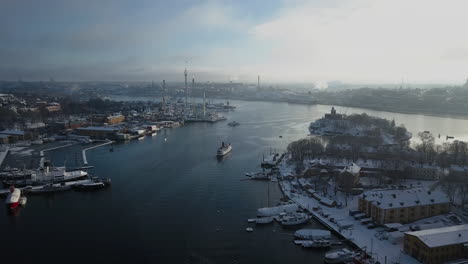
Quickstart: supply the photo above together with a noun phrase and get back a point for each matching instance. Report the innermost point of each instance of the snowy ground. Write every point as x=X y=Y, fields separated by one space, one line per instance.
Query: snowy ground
x=370 y=240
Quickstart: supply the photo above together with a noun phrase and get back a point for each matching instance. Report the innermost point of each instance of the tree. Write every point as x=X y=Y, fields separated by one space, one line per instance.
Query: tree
x=427 y=145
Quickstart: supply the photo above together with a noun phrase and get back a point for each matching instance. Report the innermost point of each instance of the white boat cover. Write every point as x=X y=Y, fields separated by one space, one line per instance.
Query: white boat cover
x=312 y=234
x=272 y=211
x=13 y=197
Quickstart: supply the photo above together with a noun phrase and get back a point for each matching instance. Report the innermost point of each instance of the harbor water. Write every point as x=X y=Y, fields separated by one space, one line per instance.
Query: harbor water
x=173 y=201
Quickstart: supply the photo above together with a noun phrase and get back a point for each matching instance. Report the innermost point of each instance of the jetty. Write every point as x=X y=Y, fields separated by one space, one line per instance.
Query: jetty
x=83 y=152
x=345 y=226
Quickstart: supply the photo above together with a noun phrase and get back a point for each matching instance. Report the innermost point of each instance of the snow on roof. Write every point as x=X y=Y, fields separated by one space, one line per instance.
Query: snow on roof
x=444 y=236
x=12 y=132
x=353 y=169
x=110 y=129
x=386 y=199
x=458 y=168
x=393 y=225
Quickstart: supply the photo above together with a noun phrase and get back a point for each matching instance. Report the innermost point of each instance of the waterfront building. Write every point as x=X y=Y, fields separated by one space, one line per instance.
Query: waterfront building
x=97 y=132
x=403 y=206
x=424 y=171
x=115 y=119
x=438 y=245
x=15 y=135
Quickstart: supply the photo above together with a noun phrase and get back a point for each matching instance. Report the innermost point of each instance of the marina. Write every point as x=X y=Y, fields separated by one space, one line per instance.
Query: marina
x=157 y=193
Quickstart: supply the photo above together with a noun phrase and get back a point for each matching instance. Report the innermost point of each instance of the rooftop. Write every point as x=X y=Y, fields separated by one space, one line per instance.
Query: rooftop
x=386 y=199
x=12 y=132
x=110 y=129
x=438 y=237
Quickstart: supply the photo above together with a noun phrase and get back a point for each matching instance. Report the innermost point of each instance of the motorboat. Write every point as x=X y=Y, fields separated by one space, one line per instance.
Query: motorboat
x=233 y=123
x=262 y=176
x=295 y=219
x=264 y=220
x=94 y=184
x=49 y=188
x=224 y=149
x=319 y=243
x=312 y=234
x=339 y=256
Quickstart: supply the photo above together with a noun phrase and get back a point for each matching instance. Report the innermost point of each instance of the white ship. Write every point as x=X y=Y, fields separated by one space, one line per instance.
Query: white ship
x=47 y=175
x=224 y=149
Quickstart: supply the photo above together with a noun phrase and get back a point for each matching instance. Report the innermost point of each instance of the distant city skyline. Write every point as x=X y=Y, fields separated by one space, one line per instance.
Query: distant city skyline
x=354 y=41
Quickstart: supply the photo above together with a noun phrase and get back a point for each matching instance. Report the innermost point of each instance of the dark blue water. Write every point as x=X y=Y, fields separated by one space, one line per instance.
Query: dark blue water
x=173 y=201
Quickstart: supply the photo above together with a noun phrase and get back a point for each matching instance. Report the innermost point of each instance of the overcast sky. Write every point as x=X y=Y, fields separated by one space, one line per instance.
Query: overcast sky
x=357 y=41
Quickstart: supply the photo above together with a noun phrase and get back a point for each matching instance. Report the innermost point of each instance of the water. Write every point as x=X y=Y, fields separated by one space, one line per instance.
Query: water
x=173 y=201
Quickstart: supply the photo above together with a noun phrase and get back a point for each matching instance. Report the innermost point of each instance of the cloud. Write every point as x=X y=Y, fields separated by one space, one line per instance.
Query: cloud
x=368 y=40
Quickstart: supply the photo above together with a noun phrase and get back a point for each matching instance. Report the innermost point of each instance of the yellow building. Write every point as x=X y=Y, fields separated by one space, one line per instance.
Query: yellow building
x=403 y=206
x=438 y=245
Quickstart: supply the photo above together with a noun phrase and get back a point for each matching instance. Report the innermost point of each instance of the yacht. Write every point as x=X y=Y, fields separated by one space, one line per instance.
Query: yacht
x=224 y=149
x=339 y=256
x=295 y=219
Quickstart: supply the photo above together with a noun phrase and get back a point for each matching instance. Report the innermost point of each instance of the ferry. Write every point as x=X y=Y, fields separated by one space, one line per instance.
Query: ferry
x=224 y=149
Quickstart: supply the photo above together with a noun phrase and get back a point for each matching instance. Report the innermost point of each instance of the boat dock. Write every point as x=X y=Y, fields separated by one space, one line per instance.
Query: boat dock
x=83 y=153
x=339 y=221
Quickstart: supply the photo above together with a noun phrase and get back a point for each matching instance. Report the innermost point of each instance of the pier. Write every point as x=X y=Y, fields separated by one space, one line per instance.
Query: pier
x=358 y=236
x=83 y=153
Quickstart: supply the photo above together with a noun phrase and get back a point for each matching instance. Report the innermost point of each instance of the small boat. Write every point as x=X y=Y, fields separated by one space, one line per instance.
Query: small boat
x=295 y=219
x=339 y=256
x=91 y=186
x=94 y=184
x=233 y=123
x=154 y=133
x=262 y=176
x=224 y=149
x=319 y=243
x=49 y=188
x=312 y=234
x=249 y=229
x=264 y=220
x=141 y=137
x=13 y=198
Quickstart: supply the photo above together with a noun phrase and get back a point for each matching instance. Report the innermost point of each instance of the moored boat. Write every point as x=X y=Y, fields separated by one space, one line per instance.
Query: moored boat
x=294 y=219
x=312 y=234
x=233 y=123
x=339 y=256
x=319 y=243
x=264 y=220
x=13 y=199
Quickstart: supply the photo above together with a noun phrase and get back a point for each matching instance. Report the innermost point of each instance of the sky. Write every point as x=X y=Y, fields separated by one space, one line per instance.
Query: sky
x=355 y=41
